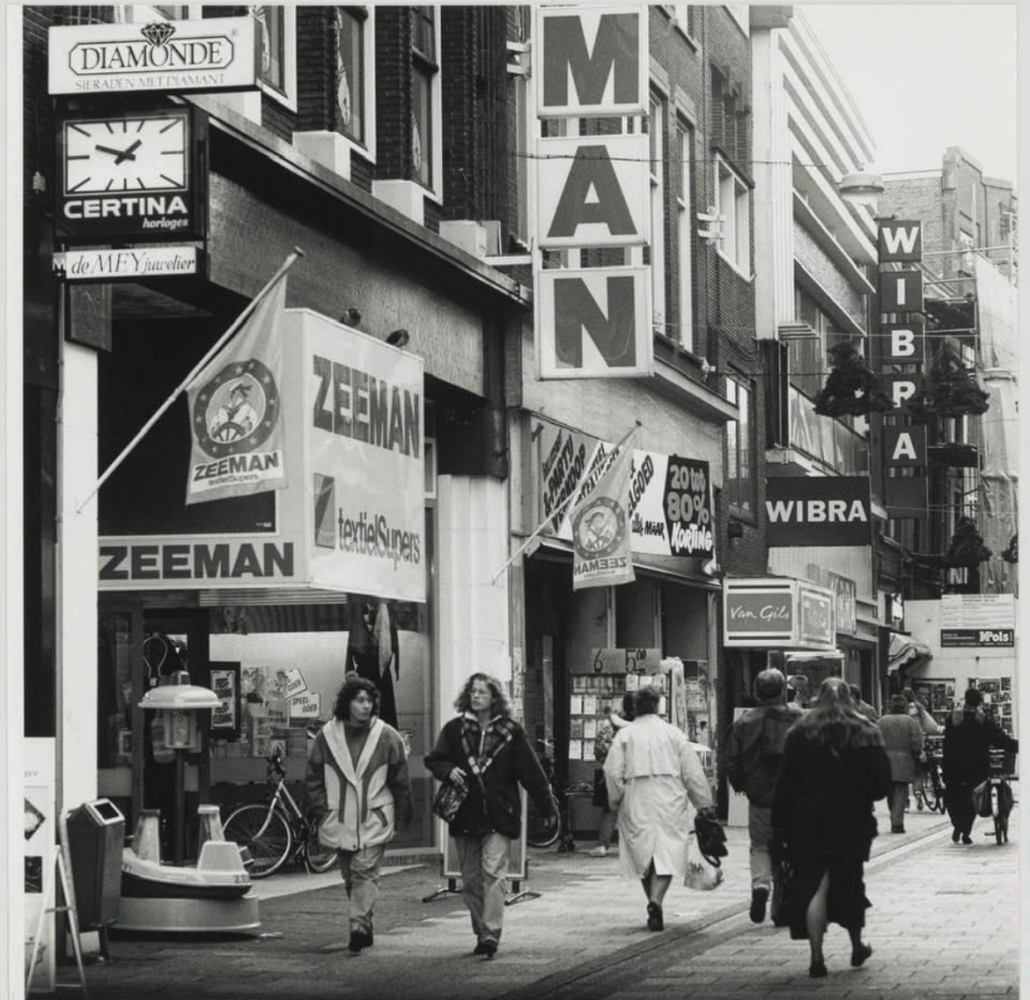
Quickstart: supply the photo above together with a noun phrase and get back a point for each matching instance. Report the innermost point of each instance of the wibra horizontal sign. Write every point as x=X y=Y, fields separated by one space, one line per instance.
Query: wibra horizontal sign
x=127 y=265
x=818 y=510
x=212 y=54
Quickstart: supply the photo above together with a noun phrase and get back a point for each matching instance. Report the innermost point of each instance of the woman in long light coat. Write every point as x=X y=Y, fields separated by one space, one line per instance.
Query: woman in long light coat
x=653 y=778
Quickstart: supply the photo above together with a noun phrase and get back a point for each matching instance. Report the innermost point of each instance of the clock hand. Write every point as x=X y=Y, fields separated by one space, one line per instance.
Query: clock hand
x=129 y=153
x=119 y=154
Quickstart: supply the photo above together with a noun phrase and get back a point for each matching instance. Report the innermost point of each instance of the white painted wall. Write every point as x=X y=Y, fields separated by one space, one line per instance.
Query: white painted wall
x=923 y=620
x=77 y=579
x=472 y=617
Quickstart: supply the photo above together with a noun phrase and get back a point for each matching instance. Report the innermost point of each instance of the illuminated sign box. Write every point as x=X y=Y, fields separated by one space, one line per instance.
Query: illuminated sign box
x=129 y=264
x=777 y=613
x=218 y=53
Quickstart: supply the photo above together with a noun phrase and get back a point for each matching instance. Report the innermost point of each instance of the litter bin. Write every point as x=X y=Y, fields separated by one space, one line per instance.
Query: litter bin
x=96 y=835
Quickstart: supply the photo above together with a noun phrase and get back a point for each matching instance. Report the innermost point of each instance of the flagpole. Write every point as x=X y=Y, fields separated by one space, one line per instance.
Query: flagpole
x=565 y=503
x=199 y=366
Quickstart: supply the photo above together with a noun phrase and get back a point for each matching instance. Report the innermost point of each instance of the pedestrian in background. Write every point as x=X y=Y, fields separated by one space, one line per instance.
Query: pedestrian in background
x=834 y=768
x=863 y=706
x=928 y=724
x=903 y=741
x=602 y=742
x=358 y=792
x=654 y=777
x=485 y=751
x=754 y=749
x=969 y=735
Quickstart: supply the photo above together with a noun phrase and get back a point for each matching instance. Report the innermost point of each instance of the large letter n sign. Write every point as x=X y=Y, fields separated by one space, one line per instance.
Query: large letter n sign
x=591 y=60
x=593 y=322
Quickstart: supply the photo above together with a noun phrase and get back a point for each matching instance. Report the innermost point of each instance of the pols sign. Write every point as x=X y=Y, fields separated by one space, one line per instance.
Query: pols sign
x=592 y=191
x=818 y=510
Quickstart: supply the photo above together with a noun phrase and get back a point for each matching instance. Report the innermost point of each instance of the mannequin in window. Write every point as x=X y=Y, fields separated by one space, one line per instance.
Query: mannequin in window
x=372 y=650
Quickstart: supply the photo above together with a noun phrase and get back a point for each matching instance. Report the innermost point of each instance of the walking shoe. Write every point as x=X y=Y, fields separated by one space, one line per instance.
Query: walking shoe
x=759 y=897
x=479 y=949
x=817 y=969
x=655 y=921
x=860 y=954
x=897 y=829
x=359 y=940
x=598 y=852
x=966 y=839
x=955 y=834
x=489 y=948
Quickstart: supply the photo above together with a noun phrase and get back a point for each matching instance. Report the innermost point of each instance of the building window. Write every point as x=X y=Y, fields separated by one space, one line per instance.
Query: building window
x=277 y=51
x=686 y=16
x=740 y=483
x=424 y=71
x=684 y=243
x=656 y=139
x=808 y=357
x=350 y=71
x=740 y=13
x=733 y=203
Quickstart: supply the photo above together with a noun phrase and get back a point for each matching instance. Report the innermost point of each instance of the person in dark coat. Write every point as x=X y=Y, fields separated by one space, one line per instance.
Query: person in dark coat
x=969 y=735
x=903 y=741
x=834 y=768
x=754 y=749
x=485 y=751
x=869 y=711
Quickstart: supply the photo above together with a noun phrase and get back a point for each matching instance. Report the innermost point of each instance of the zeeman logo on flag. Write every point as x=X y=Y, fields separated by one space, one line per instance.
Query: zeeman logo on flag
x=601 y=529
x=236 y=420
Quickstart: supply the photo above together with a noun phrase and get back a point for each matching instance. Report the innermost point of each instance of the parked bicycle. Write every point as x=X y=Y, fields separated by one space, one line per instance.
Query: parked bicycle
x=1001 y=797
x=275 y=831
x=933 y=780
x=538 y=835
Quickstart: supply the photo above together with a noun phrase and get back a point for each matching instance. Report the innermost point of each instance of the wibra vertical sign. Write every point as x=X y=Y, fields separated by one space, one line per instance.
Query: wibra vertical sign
x=592 y=191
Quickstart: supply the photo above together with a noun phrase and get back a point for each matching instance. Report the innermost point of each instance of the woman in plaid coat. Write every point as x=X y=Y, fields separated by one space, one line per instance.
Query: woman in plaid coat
x=485 y=751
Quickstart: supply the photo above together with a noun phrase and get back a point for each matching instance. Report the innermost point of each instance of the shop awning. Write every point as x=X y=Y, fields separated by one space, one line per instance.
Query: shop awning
x=906 y=649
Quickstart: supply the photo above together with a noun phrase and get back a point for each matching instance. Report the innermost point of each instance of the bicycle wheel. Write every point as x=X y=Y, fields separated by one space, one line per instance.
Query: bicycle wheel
x=929 y=793
x=538 y=835
x=317 y=856
x=264 y=832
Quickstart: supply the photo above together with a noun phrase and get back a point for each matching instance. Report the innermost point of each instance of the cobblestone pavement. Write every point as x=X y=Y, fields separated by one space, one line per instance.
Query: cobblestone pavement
x=944 y=924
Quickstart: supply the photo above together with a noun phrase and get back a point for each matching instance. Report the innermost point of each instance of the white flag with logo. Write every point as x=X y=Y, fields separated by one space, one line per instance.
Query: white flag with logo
x=235 y=407
x=600 y=526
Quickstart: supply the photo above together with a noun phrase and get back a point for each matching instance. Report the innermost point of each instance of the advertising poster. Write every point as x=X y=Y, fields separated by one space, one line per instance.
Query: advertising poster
x=669 y=501
x=985 y=620
x=40 y=859
x=364 y=406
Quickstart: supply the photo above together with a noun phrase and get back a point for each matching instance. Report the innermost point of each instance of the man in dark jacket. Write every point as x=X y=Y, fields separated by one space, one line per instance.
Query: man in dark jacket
x=753 y=751
x=969 y=735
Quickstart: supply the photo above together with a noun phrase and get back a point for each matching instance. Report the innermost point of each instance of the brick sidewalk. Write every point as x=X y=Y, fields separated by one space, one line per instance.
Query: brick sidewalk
x=583 y=936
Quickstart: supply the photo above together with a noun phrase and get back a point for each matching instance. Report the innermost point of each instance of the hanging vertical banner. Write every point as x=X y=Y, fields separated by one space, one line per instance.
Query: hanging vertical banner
x=600 y=528
x=236 y=420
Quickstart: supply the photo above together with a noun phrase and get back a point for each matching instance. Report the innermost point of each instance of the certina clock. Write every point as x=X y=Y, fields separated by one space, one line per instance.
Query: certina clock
x=131 y=176
x=127 y=154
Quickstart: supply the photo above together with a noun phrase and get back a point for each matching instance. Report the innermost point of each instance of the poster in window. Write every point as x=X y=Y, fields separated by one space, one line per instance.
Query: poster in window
x=225 y=682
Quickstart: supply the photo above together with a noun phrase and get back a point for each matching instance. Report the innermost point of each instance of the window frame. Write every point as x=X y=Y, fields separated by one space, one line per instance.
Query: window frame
x=434 y=189
x=736 y=383
x=681 y=18
x=141 y=13
x=724 y=171
x=288 y=96
x=658 y=109
x=367 y=147
x=685 y=137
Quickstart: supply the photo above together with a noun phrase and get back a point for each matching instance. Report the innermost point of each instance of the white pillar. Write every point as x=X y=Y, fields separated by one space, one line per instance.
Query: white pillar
x=77 y=579
x=472 y=546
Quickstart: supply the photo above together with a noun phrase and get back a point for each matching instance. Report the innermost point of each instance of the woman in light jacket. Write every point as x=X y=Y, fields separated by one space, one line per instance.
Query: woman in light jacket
x=653 y=778
x=358 y=792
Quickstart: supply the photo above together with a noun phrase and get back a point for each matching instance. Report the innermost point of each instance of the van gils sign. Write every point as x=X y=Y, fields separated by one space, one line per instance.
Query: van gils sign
x=211 y=54
x=777 y=612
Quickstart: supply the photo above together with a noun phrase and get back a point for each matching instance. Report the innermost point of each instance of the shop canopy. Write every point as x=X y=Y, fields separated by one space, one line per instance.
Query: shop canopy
x=906 y=649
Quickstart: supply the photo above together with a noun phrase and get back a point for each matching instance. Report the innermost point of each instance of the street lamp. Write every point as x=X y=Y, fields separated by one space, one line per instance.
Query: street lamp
x=863 y=187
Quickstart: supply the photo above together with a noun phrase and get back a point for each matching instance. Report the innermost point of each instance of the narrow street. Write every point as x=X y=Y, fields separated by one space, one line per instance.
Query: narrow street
x=944 y=923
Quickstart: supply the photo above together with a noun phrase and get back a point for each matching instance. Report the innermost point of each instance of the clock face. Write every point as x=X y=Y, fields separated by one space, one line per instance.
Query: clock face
x=148 y=153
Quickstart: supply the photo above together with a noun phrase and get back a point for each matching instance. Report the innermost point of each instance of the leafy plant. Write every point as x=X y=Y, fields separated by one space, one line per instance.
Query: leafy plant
x=950 y=388
x=967 y=545
x=852 y=387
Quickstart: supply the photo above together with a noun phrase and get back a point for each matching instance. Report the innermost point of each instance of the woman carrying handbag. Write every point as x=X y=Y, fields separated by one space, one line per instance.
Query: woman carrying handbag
x=482 y=757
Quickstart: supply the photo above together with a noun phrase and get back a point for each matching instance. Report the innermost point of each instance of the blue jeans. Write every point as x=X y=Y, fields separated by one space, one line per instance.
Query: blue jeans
x=483 y=861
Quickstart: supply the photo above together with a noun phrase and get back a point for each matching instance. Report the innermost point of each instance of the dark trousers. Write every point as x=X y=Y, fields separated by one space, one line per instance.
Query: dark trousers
x=959 y=801
x=896 y=800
